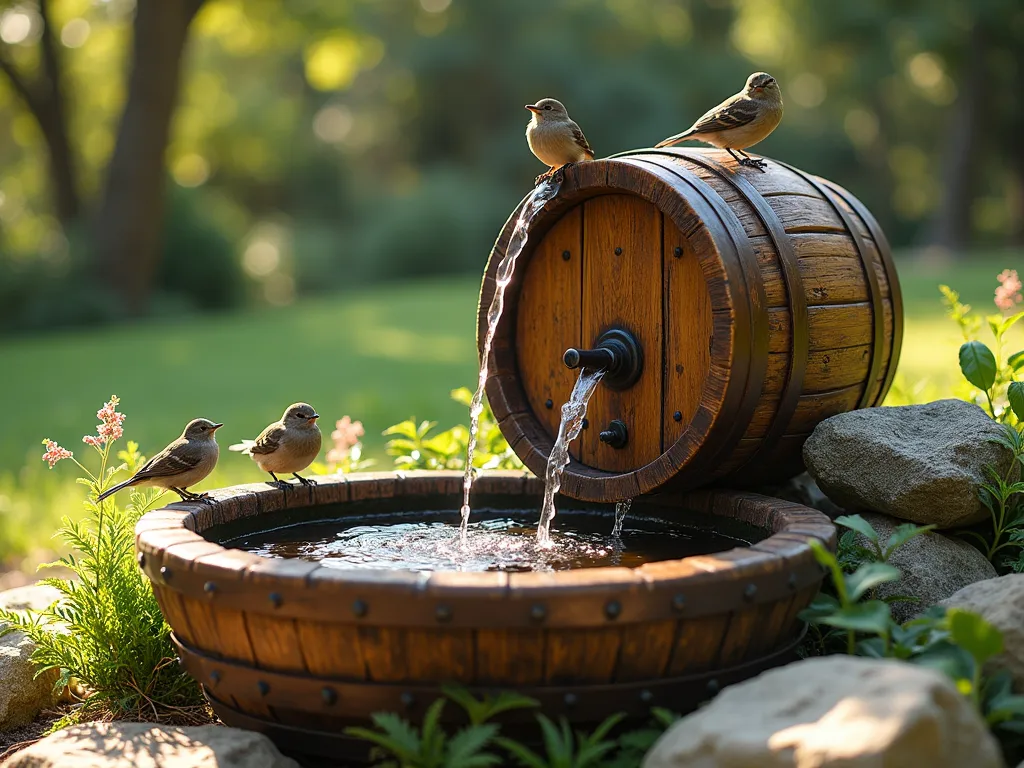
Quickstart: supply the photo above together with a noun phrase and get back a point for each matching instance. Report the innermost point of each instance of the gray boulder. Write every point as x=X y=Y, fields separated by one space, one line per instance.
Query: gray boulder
x=920 y=463
x=933 y=566
x=127 y=745
x=22 y=694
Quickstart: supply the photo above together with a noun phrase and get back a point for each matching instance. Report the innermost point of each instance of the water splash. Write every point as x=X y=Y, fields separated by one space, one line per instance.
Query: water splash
x=621 y=510
x=541 y=194
x=568 y=430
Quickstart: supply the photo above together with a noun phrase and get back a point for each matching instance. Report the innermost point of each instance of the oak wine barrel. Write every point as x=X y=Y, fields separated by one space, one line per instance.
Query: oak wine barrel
x=299 y=651
x=761 y=304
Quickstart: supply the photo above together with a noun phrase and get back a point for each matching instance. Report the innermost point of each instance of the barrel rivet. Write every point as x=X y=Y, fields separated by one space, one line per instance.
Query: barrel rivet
x=263 y=687
x=275 y=599
x=571 y=699
x=165 y=573
x=407 y=699
x=360 y=608
x=214 y=677
x=618 y=251
x=210 y=588
x=443 y=613
x=678 y=415
x=646 y=696
x=586 y=423
x=329 y=696
x=612 y=609
x=749 y=592
x=538 y=612
x=713 y=686
x=566 y=255
x=549 y=404
x=678 y=602
x=678 y=251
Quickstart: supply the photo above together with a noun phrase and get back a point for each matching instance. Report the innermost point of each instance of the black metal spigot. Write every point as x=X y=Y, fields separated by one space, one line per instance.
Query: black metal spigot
x=617 y=352
x=616 y=435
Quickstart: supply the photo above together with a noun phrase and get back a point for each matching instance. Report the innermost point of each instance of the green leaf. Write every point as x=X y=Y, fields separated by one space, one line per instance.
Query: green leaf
x=1015 y=394
x=828 y=560
x=1009 y=322
x=869 y=576
x=902 y=535
x=951 y=660
x=858 y=524
x=468 y=743
x=523 y=754
x=975 y=635
x=872 y=616
x=1016 y=360
x=978 y=364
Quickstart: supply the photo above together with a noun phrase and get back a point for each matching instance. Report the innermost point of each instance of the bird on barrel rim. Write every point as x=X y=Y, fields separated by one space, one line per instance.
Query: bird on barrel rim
x=289 y=445
x=184 y=462
x=739 y=122
x=554 y=137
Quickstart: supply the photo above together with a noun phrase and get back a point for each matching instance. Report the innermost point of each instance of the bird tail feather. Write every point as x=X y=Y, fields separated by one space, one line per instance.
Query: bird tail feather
x=672 y=140
x=115 y=489
x=243 y=447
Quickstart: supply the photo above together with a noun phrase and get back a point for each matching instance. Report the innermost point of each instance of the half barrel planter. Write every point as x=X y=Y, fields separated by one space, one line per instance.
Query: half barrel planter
x=299 y=651
x=763 y=303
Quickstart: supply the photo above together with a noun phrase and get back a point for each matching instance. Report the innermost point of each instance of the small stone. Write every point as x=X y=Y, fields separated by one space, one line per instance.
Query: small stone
x=127 y=745
x=22 y=694
x=833 y=712
x=1000 y=602
x=933 y=567
x=920 y=463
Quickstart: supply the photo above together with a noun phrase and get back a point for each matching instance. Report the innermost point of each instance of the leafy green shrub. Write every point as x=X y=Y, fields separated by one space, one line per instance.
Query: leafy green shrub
x=417 y=446
x=117 y=644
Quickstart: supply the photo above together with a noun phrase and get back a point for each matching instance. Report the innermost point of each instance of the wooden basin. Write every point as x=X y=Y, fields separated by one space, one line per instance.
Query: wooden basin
x=299 y=650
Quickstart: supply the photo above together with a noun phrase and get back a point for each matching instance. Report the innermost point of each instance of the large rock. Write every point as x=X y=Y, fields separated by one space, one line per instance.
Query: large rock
x=22 y=694
x=933 y=566
x=1001 y=603
x=921 y=463
x=830 y=712
x=144 y=745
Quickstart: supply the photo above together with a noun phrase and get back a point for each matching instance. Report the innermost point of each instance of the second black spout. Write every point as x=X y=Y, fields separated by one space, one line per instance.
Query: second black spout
x=618 y=353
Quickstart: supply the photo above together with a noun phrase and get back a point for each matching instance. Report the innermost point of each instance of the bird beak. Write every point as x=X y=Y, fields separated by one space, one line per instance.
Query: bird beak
x=533 y=108
x=313 y=418
x=215 y=427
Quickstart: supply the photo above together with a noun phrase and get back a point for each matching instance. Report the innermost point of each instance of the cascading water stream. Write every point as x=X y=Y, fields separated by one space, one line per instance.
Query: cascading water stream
x=621 y=510
x=568 y=430
x=541 y=194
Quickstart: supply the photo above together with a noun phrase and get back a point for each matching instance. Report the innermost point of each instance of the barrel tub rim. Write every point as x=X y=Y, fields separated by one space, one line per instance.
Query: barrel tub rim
x=173 y=555
x=709 y=438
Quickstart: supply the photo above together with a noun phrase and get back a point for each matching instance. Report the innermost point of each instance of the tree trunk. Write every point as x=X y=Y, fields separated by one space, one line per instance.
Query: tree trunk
x=45 y=99
x=130 y=217
x=952 y=226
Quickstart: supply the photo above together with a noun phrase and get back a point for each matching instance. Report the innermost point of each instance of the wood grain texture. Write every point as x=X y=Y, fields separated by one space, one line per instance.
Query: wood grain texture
x=622 y=278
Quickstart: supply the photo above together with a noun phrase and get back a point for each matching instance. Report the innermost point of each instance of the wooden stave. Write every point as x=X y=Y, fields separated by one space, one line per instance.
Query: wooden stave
x=271 y=635
x=586 y=483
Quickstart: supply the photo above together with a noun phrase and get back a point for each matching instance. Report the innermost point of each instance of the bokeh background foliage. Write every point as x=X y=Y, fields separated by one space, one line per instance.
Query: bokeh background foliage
x=218 y=207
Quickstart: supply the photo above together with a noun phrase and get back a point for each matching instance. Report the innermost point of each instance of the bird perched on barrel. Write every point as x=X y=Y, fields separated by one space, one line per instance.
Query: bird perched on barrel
x=186 y=461
x=739 y=122
x=554 y=137
x=288 y=445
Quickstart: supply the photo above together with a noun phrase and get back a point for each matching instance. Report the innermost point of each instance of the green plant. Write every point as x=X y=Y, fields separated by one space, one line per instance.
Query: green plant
x=1004 y=498
x=563 y=748
x=116 y=642
x=985 y=369
x=416 y=446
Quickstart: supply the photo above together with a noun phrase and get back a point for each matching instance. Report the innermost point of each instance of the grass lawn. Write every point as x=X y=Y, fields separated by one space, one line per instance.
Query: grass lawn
x=380 y=355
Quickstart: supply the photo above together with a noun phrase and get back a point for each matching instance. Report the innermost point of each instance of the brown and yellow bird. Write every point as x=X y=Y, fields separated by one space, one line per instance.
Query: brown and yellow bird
x=739 y=122
x=288 y=445
x=554 y=138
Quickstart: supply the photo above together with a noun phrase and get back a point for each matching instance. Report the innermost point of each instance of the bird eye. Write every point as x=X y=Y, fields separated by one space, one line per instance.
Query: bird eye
x=548 y=107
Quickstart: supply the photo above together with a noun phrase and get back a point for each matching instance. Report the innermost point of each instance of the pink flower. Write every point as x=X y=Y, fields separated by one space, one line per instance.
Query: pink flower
x=1008 y=293
x=54 y=452
x=110 y=428
x=345 y=435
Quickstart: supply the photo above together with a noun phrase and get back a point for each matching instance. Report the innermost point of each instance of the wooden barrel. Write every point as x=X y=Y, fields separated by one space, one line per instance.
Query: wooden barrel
x=763 y=303
x=299 y=650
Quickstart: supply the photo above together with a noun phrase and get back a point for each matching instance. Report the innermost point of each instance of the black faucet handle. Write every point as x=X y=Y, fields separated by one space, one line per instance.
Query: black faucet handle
x=617 y=353
x=595 y=359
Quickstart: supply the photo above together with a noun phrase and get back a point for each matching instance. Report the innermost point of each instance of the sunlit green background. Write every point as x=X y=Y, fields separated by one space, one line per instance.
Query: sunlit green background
x=336 y=171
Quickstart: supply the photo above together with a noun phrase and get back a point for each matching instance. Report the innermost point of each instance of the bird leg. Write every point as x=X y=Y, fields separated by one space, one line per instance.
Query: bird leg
x=282 y=484
x=187 y=495
x=752 y=163
x=303 y=480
